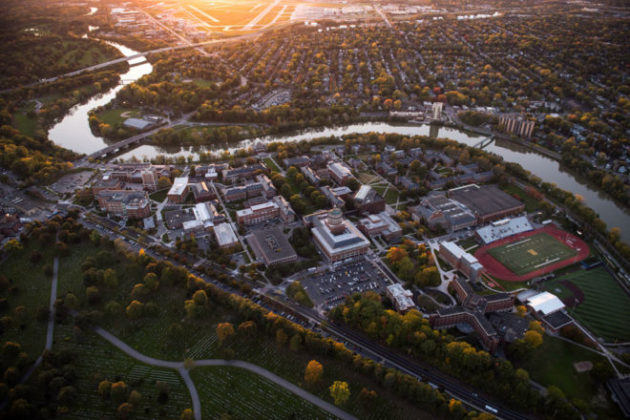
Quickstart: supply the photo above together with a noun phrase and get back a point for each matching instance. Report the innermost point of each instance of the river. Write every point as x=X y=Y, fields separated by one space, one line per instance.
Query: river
x=74 y=133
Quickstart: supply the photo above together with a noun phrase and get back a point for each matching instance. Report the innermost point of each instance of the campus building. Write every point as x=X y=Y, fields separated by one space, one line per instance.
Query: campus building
x=225 y=236
x=381 y=224
x=277 y=207
x=367 y=200
x=460 y=259
x=339 y=172
x=438 y=211
x=336 y=237
x=271 y=247
x=125 y=203
x=402 y=298
x=201 y=192
x=179 y=190
x=486 y=202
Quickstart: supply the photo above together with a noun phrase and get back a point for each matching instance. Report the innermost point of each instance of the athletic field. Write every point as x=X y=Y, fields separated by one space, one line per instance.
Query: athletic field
x=531 y=253
x=597 y=301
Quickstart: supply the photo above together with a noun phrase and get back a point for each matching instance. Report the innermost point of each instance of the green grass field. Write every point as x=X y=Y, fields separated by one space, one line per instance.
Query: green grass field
x=241 y=394
x=606 y=307
x=271 y=165
x=552 y=364
x=531 y=253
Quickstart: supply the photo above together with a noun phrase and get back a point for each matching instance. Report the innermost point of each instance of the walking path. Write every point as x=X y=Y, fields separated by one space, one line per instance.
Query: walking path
x=51 y=323
x=179 y=366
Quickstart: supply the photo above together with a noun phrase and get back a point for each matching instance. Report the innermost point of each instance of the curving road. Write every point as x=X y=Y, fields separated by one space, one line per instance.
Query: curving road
x=179 y=366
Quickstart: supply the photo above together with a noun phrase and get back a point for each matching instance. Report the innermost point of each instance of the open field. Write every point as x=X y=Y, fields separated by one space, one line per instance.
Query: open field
x=242 y=394
x=98 y=360
x=527 y=255
x=115 y=117
x=605 y=306
x=552 y=364
x=531 y=253
x=28 y=292
x=271 y=165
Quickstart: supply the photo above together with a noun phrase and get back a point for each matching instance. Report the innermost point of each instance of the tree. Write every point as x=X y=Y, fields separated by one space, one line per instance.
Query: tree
x=187 y=414
x=70 y=301
x=151 y=281
x=247 y=329
x=163 y=183
x=313 y=372
x=13 y=246
x=340 y=392
x=135 y=397
x=104 y=389
x=281 y=337
x=110 y=278
x=67 y=394
x=124 y=410
x=93 y=295
x=134 y=309
x=367 y=396
x=225 y=331
x=533 y=339
x=118 y=392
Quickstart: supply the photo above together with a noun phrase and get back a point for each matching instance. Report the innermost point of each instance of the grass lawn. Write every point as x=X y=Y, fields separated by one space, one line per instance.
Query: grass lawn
x=115 y=118
x=552 y=364
x=606 y=307
x=367 y=178
x=271 y=165
x=159 y=196
x=32 y=292
x=243 y=394
x=531 y=204
x=531 y=253
x=25 y=124
x=391 y=196
x=202 y=83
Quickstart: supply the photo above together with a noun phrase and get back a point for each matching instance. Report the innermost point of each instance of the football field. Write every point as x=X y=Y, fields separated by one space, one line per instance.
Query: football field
x=532 y=253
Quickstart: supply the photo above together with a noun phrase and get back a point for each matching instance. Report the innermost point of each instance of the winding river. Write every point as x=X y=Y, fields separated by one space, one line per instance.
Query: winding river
x=74 y=133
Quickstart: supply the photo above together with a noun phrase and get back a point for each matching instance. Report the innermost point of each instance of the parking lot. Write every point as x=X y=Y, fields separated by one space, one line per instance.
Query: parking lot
x=330 y=288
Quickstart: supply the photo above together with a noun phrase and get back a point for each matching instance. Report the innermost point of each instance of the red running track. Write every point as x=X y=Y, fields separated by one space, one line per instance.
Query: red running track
x=498 y=270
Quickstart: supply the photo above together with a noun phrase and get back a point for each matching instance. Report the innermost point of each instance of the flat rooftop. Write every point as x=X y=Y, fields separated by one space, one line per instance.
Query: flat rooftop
x=271 y=245
x=484 y=200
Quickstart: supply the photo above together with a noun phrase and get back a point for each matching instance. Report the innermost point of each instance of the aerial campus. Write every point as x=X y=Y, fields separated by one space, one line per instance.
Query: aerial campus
x=295 y=209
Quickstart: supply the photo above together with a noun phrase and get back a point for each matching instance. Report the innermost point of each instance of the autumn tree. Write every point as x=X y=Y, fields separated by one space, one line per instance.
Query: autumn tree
x=225 y=331
x=313 y=372
x=340 y=392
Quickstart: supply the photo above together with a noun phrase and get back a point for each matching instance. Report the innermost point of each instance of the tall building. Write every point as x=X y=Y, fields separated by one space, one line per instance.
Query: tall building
x=517 y=125
x=436 y=110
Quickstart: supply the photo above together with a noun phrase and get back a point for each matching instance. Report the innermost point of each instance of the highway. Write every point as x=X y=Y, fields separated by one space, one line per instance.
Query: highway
x=363 y=345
